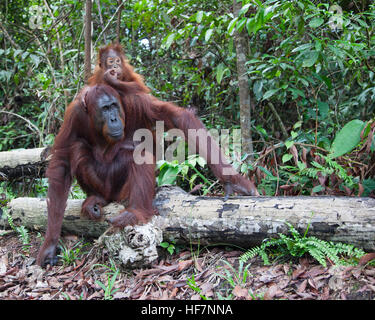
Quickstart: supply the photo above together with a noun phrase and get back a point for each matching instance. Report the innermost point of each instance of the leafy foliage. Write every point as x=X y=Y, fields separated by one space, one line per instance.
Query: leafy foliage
x=297 y=246
x=22 y=232
x=310 y=75
x=70 y=255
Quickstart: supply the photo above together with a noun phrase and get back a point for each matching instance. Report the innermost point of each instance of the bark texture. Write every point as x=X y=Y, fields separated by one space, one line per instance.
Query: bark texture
x=244 y=221
x=243 y=83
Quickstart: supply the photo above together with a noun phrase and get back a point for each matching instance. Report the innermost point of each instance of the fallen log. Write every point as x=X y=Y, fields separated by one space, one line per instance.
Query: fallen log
x=244 y=221
x=23 y=163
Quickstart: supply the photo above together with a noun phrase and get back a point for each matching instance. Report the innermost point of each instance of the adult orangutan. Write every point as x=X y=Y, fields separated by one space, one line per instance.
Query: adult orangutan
x=92 y=146
x=112 y=68
x=95 y=145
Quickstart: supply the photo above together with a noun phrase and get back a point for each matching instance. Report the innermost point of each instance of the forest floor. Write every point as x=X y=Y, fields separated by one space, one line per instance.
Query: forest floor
x=214 y=273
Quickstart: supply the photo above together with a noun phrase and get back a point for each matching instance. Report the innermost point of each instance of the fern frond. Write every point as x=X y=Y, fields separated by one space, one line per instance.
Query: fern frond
x=251 y=253
x=298 y=245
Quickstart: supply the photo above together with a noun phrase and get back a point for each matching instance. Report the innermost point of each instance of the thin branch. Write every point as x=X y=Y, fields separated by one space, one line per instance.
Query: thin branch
x=14 y=44
x=31 y=125
x=278 y=119
x=109 y=22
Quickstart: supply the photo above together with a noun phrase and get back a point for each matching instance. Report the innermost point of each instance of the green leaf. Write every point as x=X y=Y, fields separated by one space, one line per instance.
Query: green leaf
x=268 y=173
x=270 y=93
x=257 y=88
x=220 y=72
x=170 y=249
x=208 y=34
x=168 y=177
x=301 y=165
x=244 y=9
x=169 y=41
x=251 y=25
x=311 y=59
x=294 y=134
x=241 y=24
x=201 y=161
x=164 y=244
x=184 y=170
x=369 y=185
x=347 y=138
x=316 y=22
x=303 y=47
x=289 y=143
x=199 y=16
x=259 y=20
x=286 y=157
x=298 y=124
x=318 y=189
x=323 y=108
x=231 y=26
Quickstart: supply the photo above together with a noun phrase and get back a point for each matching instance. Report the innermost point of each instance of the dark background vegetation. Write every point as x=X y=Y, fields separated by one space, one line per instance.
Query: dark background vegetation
x=307 y=79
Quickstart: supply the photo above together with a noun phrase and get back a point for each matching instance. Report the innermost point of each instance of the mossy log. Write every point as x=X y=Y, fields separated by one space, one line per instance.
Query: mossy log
x=244 y=221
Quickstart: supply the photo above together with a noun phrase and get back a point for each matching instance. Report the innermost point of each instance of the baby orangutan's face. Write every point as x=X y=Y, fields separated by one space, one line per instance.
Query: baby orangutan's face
x=113 y=62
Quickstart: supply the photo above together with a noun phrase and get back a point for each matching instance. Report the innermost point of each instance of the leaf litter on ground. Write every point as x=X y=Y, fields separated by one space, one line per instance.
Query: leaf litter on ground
x=216 y=273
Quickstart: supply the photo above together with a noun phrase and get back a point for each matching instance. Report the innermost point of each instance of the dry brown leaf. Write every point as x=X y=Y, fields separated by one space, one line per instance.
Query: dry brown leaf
x=168 y=269
x=294 y=152
x=298 y=272
x=198 y=265
x=302 y=286
x=273 y=291
x=147 y=272
x=173 y=293
x=336 y=283
x=325 y=293
x=356 y=272
x=206 y=287
x=184 y=264
x=305 y=295
x=370 y=272
x=312 y=283
x=240 y=292
x=315 y=271
x=54 y=283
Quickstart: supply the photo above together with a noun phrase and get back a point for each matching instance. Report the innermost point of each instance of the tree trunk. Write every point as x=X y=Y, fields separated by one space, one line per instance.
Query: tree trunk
x=118 y=24
x=244 y=90
x=244 y=221
x=88 y=39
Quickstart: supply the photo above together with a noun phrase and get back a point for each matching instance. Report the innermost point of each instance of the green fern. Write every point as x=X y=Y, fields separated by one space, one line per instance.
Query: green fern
x=330 y=167
x=297 y=246
x=23 y=233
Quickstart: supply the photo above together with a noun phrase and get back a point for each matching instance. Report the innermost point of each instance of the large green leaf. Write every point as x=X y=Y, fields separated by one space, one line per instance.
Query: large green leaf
x=323 y=108
x=168 y=176
x=270 y=93
x=208 y=34
x=316 y=22
x=220 y=72
x=169 y=41
x=310 y=59
x=199 y=16
x=347 y=138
